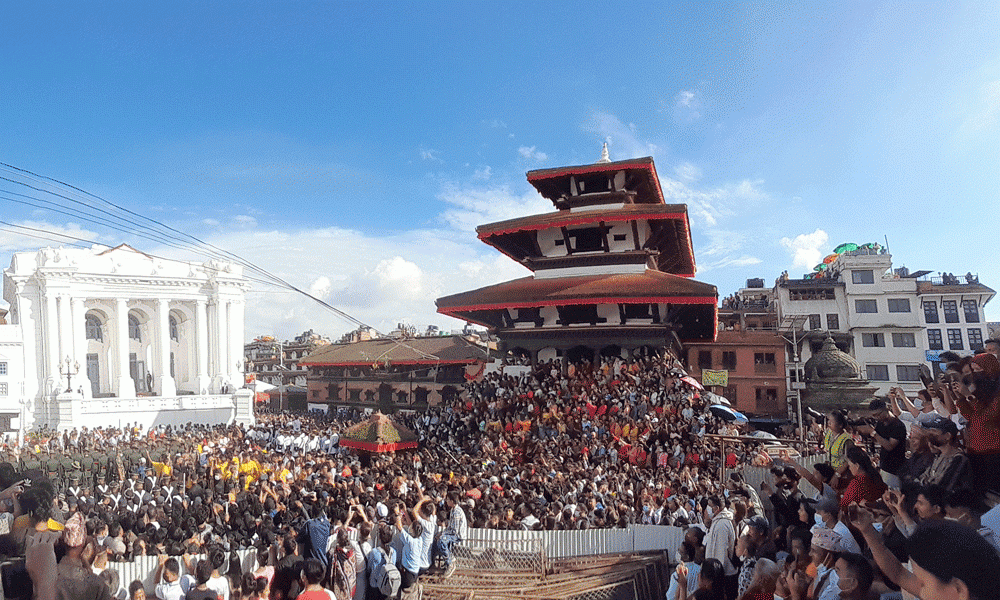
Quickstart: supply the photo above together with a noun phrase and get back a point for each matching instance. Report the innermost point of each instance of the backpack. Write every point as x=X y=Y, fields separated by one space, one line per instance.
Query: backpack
x=386 y=576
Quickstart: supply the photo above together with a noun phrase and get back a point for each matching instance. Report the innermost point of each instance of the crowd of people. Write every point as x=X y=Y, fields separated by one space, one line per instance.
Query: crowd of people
x=599 y=445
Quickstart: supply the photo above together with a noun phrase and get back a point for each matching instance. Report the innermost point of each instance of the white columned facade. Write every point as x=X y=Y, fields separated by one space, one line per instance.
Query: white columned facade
x=165 y=384
x=51 y=341
x=66 y=349
x=78 y=320
x=235 y=334
x=202 y=380
x=126 y=386
x=221 y=340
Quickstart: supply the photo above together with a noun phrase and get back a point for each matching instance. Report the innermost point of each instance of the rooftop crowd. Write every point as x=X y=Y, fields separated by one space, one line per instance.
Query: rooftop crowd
x=595 y=445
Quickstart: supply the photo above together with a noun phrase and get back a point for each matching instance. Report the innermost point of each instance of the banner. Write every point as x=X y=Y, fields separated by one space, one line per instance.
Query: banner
x=714 y=378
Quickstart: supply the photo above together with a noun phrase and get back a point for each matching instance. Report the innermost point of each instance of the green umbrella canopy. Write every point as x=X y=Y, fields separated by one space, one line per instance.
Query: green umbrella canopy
x=849 y=247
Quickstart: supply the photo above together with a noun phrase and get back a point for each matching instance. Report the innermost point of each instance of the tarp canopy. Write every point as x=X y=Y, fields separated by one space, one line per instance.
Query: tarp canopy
x=259 y=386
x=378 y=434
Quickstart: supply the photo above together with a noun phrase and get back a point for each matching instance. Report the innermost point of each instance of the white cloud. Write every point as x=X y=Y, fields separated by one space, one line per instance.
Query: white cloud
x=31 y=235
x=687 y=105
x=320 y=287
x=623 y=143
x=483 y=173
x=687 y=172
x=806 y=249
x=988 y=113
x=712 y=204
x=428 y=154
x=532 y=153
x=741 y=261
x=210 y=222
x=245 y=221
x=475 y=206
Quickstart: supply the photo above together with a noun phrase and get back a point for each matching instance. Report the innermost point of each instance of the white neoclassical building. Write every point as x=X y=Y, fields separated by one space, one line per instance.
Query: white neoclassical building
x=113 y=335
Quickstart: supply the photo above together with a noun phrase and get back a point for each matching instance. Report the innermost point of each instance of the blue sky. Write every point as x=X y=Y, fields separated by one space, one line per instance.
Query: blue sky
x=352 y=147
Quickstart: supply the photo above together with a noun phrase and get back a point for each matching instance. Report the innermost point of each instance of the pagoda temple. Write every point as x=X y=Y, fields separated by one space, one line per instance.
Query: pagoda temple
x=612 y=268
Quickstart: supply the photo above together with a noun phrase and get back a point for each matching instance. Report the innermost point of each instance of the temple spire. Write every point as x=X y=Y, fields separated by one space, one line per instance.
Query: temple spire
x=604 y=154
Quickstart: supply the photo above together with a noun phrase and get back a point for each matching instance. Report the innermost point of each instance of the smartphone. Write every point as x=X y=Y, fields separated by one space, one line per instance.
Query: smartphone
x=15 y=580
x=925 y=376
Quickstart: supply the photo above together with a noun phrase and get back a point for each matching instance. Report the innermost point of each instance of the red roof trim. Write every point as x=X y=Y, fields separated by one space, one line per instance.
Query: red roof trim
x=589 y=217
x=640 y=164
x=575 y=302
x=373 y=447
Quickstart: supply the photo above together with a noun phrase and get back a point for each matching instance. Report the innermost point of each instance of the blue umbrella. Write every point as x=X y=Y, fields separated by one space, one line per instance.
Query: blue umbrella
x=726 y=413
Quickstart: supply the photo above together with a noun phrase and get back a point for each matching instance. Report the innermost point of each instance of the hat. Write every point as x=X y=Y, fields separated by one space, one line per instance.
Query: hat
x=942 y=424
x=827 y=539
x=75 y=534
x=382 y=510
x=989 y=364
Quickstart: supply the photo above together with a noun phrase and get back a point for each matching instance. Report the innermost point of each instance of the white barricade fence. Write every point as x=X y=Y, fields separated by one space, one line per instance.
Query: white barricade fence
x=143 y=568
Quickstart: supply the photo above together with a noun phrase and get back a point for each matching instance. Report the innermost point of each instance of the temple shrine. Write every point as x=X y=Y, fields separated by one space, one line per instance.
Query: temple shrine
x=612 y=270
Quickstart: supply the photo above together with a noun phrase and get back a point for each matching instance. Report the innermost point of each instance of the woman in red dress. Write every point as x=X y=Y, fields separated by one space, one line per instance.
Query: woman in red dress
x=866 y=485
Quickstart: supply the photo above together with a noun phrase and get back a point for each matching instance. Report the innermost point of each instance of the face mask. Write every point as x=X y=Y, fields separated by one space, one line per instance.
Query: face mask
x=877 y=526
x=846 y=584
x=819 y=520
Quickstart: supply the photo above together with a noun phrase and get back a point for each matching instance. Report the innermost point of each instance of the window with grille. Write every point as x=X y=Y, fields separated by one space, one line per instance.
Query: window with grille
x=873 y=340
x=134 y=330
x=833 y=322
x=975 y=339
x=704 y=359
x=904 y=340
x=764 y=358
x=931 y=312
x=814 y=322
x=950 y=311
x=878 y=372
x=934 y=341
x=729 y=361
x=863 y=276
x=865 y=306
x=955 y=339
x=907 y=373
x=899 y=305
x=971 y=311
x=3 y=388
x=93 y=327
x=3 y=367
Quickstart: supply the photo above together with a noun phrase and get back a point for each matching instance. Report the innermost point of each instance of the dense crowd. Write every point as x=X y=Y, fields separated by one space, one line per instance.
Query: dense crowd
x=592 y=445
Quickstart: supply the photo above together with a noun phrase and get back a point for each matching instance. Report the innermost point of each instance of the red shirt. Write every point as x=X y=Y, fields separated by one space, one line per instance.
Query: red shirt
x=982 y=433
x=861 y=489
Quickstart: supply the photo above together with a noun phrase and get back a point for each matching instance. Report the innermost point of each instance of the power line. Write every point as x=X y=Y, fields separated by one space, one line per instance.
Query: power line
x=166 y=235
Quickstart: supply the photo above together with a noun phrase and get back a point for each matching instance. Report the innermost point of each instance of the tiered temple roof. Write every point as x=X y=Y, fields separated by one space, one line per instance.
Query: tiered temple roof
x=615 y=259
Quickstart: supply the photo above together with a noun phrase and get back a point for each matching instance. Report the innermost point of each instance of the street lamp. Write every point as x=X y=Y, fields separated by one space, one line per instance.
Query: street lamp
x=72 y=368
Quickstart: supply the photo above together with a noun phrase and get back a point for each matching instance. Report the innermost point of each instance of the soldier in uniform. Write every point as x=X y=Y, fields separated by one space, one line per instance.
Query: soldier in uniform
x=31 y=463
x=74 y=488
x=52 y=467
x=103 y=489
x=66 y=464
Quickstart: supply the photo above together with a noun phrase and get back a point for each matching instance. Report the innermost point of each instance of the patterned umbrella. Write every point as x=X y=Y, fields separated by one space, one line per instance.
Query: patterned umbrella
x=378 y=434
